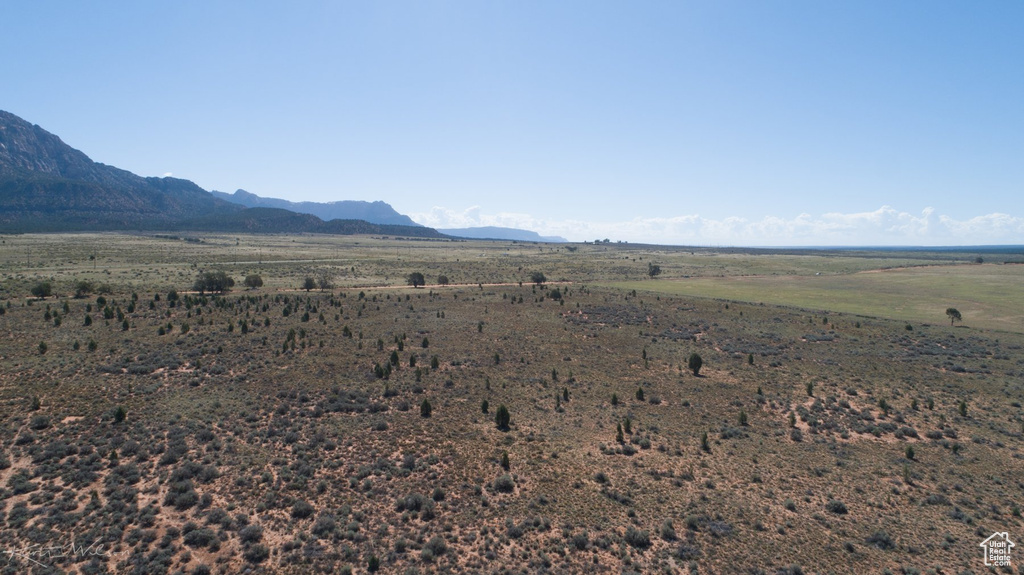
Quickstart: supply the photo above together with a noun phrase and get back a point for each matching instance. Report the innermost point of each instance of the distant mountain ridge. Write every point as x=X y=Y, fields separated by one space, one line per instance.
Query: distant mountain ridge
x=277 y=220
x=48 y=186
x=499 y=233
x=377 y=212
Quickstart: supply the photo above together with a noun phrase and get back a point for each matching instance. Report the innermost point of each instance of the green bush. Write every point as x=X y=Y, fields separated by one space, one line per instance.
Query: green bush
x=695 y=363
x=83 y=288
x=436 y=545
x=216 y=282
x=837 y=507
x=301 y=509
x=502 y=417
x=637 y=538
x=504 y=484
x=42 y=290
x=256 y=553
x=250 y=534
x=668 y=531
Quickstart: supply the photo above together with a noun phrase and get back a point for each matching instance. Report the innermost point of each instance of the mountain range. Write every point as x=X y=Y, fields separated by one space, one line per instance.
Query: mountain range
x=380 y=213
x=374 y=212
x=48 y=186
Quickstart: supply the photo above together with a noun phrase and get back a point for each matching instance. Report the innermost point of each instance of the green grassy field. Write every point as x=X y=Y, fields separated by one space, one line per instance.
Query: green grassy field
x=988 y=296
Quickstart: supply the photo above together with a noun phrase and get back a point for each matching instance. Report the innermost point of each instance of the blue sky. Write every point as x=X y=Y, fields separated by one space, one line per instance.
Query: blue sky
x=710 y=123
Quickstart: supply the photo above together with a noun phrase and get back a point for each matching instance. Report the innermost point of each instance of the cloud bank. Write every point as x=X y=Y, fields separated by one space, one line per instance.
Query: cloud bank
x=885 y=226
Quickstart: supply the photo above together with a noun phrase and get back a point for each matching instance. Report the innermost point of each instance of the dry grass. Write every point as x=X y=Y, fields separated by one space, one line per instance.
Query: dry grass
x=989 y=296
x=259 y=424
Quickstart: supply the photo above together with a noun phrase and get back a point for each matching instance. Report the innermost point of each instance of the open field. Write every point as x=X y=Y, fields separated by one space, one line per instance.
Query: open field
x=285 y=431
x=989 y=296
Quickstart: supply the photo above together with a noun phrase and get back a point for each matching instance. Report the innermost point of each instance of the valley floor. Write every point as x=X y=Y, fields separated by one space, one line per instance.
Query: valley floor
x=353 y=429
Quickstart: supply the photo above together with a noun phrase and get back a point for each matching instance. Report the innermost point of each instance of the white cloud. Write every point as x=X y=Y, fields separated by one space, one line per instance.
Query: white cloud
x=884 y=226
x=1002 y=225
x=472 y=217
x=168 y=174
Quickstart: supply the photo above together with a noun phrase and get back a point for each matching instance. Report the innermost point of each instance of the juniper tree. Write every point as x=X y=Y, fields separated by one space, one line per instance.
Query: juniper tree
x=502 y=418
x=695 y=363
x=42 y=290
x=416 y=279
x=954 y=315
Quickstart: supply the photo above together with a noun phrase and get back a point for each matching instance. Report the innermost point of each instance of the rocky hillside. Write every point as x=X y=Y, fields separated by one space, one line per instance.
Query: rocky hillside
x=46 y=185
